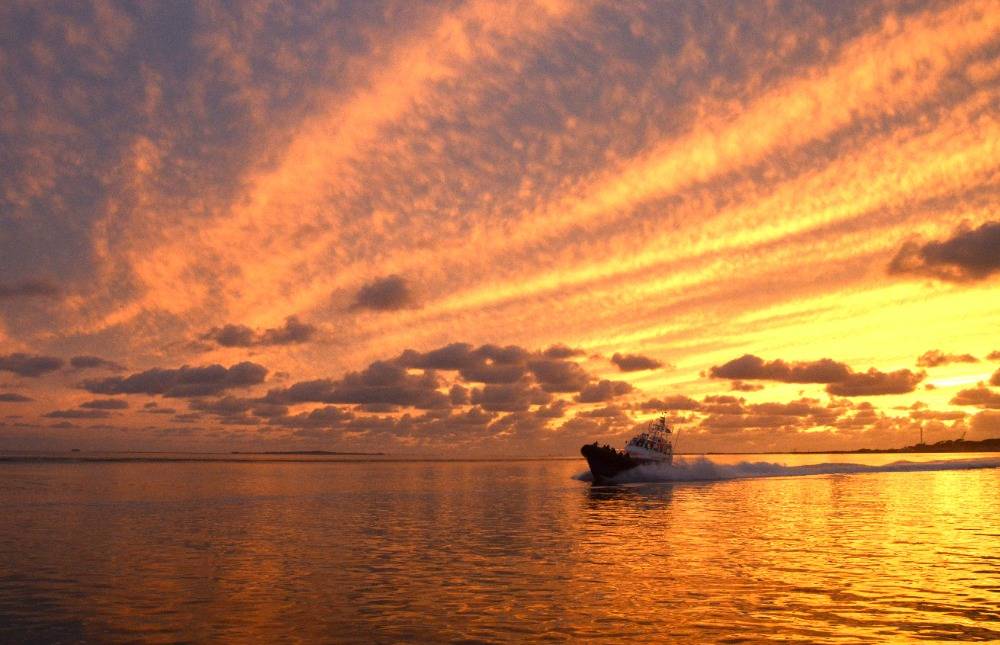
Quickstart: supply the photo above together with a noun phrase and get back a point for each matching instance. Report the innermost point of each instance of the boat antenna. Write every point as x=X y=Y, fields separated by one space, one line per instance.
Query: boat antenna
x=676 y=433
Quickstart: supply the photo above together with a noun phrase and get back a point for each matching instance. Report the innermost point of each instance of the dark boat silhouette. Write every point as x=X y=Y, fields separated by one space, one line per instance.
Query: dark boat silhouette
x=652 y=446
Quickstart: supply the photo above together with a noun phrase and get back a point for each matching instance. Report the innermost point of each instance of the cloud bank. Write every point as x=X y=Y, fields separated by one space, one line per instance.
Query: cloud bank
x=385 y=294
x=184 y=381
x=839 y=378
x=968 y=255
x=30 y=365
x=292 y=332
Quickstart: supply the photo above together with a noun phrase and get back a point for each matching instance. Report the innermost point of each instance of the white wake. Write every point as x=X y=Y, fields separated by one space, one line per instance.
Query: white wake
x=702 y=469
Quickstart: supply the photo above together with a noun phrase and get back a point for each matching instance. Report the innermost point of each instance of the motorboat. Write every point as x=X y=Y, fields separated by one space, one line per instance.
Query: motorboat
x=654 y=446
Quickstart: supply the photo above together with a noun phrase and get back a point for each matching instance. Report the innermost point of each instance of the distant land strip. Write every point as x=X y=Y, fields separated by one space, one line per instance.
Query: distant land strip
x=948 y=445
x=307 y=452
x=951 y=445
x=77 y=457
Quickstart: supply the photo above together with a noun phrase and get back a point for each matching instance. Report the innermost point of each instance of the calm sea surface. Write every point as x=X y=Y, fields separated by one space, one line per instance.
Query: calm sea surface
x=269 y=551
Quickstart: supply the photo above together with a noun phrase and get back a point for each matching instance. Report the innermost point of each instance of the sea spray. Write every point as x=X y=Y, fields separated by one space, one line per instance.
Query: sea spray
x=702 y=469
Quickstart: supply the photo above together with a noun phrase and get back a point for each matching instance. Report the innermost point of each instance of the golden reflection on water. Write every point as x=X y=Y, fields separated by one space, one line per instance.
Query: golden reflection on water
x=867 y=556
x=499 y=551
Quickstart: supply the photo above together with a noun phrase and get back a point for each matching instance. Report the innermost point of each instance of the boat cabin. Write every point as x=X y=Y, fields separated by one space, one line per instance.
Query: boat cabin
x=652 y=445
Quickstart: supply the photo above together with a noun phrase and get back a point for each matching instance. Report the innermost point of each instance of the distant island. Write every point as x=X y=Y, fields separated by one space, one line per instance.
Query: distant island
x=309 y=452
x=950 y=445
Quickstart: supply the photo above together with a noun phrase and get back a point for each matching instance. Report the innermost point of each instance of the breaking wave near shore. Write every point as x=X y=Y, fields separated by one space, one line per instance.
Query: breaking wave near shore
x=702 y=469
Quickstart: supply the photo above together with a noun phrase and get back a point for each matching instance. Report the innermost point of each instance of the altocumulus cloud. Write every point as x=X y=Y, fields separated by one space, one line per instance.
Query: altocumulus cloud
x=970 y=254
x=31 y=365
x=511 y=397
x=749 y=367
x=734 y=414
x=105 y=404
x=497 y=364
x=986 y=424
x=556 y=375
x=184 y=381
x=635 y=362
x=981 y=397
x=293 y=331
x=874 y=382
x=935 y=357
x=488 y=406
x=839 y=378
x=385 y=294
x=493 y=364
x=231 y=406
x=463 y=393
x=675 y=402
x=94 y=362
x=459 y=390
x=740 y=386
x=560 y=350
x=603 y=390
x=380 y=382
x=78 y=414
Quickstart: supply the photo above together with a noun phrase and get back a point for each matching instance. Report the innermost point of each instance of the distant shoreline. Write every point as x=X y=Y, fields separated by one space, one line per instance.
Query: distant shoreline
x=951 y=445
x=76 y=456
x=307 y=452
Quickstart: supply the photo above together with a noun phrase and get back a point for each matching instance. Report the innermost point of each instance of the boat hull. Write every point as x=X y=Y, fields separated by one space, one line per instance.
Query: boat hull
x=605 y=462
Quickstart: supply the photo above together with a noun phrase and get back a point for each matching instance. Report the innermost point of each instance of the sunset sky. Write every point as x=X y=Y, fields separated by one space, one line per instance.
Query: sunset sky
x=498 y=229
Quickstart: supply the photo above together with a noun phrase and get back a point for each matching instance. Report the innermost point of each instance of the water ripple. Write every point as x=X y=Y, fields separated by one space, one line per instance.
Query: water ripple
x=492 y=552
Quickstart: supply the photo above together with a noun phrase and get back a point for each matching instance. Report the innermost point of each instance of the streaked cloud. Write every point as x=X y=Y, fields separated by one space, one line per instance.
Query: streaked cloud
x=499 y=227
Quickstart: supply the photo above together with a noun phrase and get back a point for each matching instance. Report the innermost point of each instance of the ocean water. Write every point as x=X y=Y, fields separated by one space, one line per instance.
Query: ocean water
x=807 y=548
